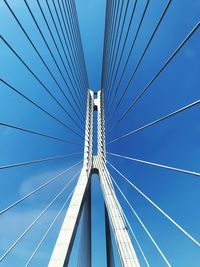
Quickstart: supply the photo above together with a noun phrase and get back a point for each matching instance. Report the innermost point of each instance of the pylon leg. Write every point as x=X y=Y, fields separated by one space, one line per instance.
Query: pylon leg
x=109 y=248
x=124 y=245
x=84 y=256
x=62 y=250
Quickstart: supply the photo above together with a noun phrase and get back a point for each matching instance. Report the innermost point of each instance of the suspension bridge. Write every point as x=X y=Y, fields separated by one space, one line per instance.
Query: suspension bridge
x=47 y=212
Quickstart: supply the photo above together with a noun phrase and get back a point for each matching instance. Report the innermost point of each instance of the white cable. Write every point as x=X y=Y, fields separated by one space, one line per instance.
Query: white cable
x=37 y=218
x=158 y=208
x=37 y=189
x=48 y=230
x=156 y=164
x=144 y=227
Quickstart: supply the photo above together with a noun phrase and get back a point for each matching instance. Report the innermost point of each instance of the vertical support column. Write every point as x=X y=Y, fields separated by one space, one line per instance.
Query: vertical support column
x=125 y=248
x=84 y=255
x=109 y=247
x=62 y=250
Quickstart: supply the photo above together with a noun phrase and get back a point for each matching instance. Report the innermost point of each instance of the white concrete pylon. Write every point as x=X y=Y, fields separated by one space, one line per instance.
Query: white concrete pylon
x=94 y=163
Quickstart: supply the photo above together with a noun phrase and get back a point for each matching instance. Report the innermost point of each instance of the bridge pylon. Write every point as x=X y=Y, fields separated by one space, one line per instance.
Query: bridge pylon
x=81 y=199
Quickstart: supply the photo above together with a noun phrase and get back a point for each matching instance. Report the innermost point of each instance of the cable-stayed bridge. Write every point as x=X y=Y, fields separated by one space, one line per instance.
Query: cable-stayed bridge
x=49 y=109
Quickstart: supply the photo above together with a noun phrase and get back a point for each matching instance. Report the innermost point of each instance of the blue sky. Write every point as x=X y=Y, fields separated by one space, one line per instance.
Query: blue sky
x=174 y=142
